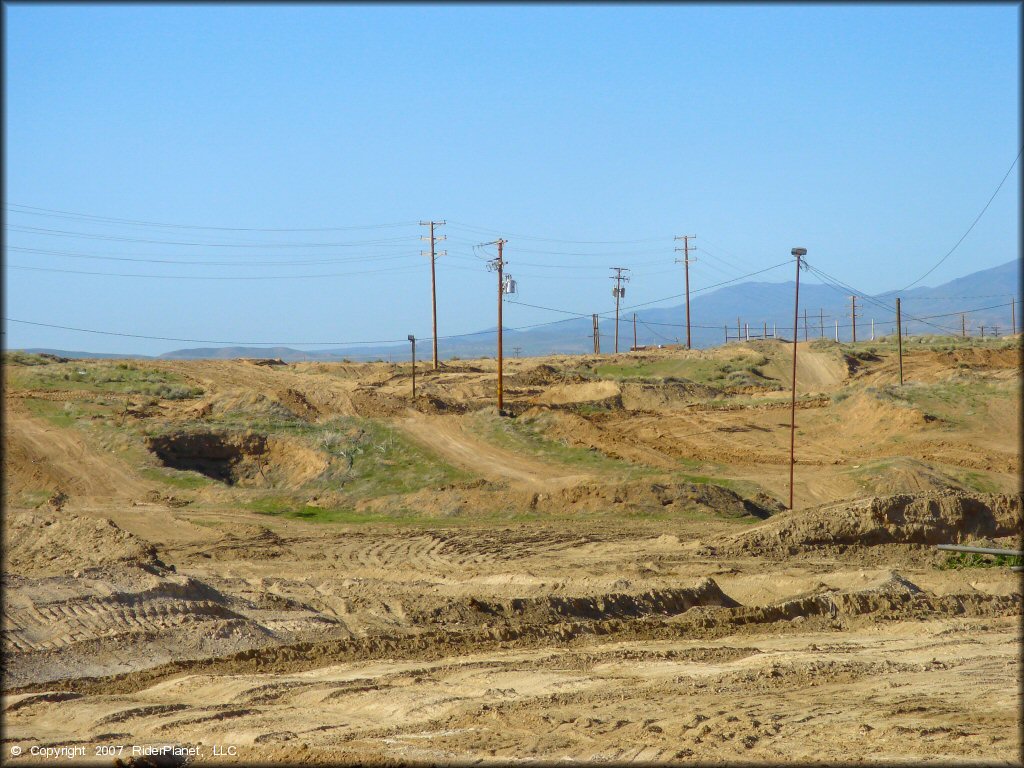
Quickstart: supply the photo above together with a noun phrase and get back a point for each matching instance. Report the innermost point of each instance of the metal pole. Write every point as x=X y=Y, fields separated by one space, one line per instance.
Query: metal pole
x=686 y=269
x=899 y=337
x=821 y=322
x=1013 y=314
x=746 y=331
x=805 y=325
x=872 y=329
x=853 y=316
x=739 y=330
x=792 y=407
x=837 y=330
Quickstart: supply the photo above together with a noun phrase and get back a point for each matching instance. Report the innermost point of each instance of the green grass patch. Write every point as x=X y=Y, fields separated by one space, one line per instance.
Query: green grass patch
x=740 y=370
x=59 y=414
x=118 y=378
x=529 y=436
x=959 y=560
x=175 y=478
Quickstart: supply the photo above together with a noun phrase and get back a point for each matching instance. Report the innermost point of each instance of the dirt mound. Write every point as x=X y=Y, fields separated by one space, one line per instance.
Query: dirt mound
x=666 y=395
x=246 y=459
x=297 y=403
x=40 y=544
x=587 y=392
x=540 y=376
x=668 y=496
x=872 y=414
x=981 y=357
x=946 y=517
x=902 y=475
x=556 y=608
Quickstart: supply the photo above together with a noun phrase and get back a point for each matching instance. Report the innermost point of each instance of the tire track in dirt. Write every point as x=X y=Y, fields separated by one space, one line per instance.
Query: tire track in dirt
x=65 y=458
x=447 y=436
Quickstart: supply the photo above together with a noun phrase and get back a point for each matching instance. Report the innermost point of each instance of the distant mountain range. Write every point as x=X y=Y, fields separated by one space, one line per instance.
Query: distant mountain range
x=984 y=296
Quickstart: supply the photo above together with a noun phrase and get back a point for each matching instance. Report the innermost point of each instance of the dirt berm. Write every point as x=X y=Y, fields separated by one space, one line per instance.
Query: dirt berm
x=938 y=517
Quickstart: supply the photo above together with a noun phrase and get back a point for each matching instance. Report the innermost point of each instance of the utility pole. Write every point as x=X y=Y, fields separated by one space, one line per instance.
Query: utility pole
x=853 y=316
x=726 y=333
x=837 y=330
x=1013 y=314
x=498 y=265
x=872 y=329
x=963 y=326
x=619 y=292
x=516 y=351
x=634 y=330
x=746 y=331
x=412 y=340
x=798 y=252
x=739 y=331
x=686 y=265
x=821 y=322
x=805 y=324
x=597 y=337
x=433 y=287
x=899 y=337
x=764 y=335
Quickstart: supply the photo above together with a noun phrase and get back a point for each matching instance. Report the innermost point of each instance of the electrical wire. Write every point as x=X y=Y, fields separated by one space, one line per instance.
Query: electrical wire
x=973 y=223
x=52 y=213
x=213 y=277
x=400 y=242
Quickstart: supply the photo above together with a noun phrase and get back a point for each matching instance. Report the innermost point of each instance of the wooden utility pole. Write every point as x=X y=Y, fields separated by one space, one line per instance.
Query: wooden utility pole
x=634 y=330
x=686 y=266
x=853 y=316
x=899 y=337
x=798 y=252
x=821 y=322
x=805 y=325
x=498 y=265
x=1013 y=314
x=597 y=337
x=739 y=330
x=726 y=333
x=433 y=287
x=765 y=334
x=619 y=292
x=412 y=340
x=963 y=326
x=746 y=331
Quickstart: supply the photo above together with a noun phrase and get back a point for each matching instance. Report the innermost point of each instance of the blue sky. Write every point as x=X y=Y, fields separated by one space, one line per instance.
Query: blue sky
x=872 y=135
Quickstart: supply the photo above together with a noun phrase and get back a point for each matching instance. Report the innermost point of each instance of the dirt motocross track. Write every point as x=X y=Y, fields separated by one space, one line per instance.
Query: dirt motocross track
x=299 y=563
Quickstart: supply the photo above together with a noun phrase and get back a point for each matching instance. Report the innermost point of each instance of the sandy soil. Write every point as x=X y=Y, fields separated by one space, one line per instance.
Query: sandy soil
x=629 y=590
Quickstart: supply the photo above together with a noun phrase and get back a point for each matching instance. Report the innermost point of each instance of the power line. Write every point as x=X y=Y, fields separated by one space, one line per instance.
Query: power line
x=204 y=262
x=459 y=225
x=212 y=277
x=383 y=242
x=976 y=220
x=53 y=213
